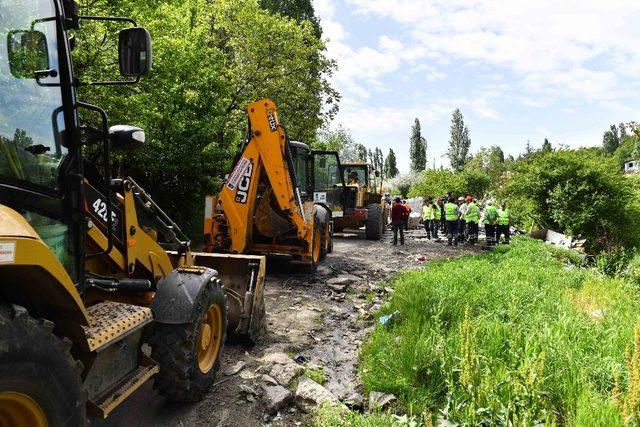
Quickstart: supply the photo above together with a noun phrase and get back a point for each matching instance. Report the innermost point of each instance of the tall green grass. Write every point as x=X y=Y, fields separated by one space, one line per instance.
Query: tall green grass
x=515 y=337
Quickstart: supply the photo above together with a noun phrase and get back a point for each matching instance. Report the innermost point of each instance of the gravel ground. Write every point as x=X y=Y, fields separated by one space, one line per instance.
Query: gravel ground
x=324 y=323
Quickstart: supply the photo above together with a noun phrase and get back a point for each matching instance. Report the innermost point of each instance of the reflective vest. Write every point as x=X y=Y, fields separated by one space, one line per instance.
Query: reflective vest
x=472 y=213
x=427 y=212
x=503 y=217
x=438 y=214
x=491 y=215
x=451 y=211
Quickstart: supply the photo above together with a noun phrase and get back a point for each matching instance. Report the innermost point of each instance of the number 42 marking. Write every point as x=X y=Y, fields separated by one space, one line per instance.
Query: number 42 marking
x=100 y=209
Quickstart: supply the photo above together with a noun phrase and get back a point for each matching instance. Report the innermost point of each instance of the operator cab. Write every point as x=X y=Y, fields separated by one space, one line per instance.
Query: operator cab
x=300 y=154
x=41 y=140
x=356 y=174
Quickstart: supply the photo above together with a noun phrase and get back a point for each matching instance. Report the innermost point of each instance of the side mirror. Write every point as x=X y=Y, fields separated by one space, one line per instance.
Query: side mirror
x=123 y=137
x=134 y=52
x=28 y=53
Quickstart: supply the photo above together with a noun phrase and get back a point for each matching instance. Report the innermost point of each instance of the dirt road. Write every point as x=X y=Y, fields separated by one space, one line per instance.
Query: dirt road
x=322 y=324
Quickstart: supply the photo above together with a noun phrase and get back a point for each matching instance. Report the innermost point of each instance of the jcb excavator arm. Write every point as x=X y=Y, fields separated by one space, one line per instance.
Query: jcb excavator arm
x=261 y=190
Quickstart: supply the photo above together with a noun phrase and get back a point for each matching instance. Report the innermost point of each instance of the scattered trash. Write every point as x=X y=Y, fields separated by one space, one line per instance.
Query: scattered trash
x=421 y=258
x=300 y=359
x=389 y=320
x=557 y=239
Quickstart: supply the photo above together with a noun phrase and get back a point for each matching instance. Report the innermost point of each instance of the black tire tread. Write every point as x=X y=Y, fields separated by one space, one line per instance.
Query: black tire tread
x=174 y=348
x=52 y=356
x=373 y=225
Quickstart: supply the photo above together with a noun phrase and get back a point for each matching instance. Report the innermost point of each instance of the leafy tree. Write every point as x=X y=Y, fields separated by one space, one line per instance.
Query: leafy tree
x=546 y=146
x=627 y=150
x=333 y=139
x=489 y=160
x=390 y=165
x=353 y=151
x=459 y=143
x=417 y=148
x=439 y=182
x=211 y=59
x=362 y=153
x=611 y=140
x=623 y=130
x=376 y=158
x=528 y=149
x=403 y=183
x=300 y=10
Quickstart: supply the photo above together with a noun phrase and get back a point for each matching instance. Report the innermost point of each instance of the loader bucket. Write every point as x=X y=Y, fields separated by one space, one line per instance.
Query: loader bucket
x=243 y=279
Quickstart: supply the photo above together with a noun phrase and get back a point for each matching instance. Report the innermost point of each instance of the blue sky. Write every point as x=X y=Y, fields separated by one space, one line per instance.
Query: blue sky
x=518 y=70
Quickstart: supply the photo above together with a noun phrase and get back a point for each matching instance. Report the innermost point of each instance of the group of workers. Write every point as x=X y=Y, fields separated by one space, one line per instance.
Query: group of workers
x=458 y=218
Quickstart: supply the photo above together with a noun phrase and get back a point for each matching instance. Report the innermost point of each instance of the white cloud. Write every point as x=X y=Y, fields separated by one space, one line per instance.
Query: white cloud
x=557 y=40
x=389 y=44
x=429 y=57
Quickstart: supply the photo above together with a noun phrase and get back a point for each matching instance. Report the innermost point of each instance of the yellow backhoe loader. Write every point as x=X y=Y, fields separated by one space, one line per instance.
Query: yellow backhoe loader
x=99 y=292
x=260 y=209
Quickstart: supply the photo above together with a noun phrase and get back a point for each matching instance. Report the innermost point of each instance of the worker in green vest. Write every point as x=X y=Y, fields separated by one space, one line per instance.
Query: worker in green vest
x=490 y=219
x=428 y=215
x=437 y=213
x=472 y=217
x=451 y=216
x=504 y=223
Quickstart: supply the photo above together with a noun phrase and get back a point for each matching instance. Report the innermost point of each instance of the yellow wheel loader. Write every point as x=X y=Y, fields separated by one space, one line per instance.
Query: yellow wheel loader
x=366 y=206
x=99 y=292
x=260 y=209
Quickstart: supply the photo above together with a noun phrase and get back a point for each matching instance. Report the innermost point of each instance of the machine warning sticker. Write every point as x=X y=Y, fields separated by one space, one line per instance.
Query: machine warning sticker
x=273 y=122
x=320 y=197
x=238 y=173
x=7 y=252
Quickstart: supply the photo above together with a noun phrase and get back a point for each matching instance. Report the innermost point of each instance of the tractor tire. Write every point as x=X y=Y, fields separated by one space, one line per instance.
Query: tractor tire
x=39 y=379
x=189 y=354
x=324 y=245
x=385 y=218
x=316 y=252
x=373 y=225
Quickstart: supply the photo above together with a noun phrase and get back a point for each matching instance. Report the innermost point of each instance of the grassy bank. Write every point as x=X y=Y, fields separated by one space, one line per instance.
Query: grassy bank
x=518 y=336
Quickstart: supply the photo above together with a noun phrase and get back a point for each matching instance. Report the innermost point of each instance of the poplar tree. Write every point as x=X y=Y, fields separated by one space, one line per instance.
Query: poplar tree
x=417 y=148
x=391 y=165
x=459 y=143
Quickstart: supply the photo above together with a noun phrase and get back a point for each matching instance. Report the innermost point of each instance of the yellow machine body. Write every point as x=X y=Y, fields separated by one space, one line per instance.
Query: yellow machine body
x=259 y=209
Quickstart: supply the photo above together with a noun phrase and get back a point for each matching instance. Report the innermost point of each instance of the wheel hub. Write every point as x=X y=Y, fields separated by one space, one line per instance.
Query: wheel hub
x=20 y=410
x=205 y=337
x=210 y=338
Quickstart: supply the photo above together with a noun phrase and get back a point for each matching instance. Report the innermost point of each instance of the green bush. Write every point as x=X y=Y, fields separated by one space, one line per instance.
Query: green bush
x=632 y=270
x=626 y=151
x=515 y=337
x=577 y=193
x=614 y=262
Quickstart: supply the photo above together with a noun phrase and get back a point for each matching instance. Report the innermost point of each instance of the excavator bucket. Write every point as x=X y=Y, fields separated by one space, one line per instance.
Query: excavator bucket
x=243 y=279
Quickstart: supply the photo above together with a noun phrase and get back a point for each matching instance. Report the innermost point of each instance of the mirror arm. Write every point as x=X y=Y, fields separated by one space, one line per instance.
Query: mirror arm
x=114 y=82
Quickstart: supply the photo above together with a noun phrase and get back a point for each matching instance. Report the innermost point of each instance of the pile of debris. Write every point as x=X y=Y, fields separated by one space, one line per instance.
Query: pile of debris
x=558 y=239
